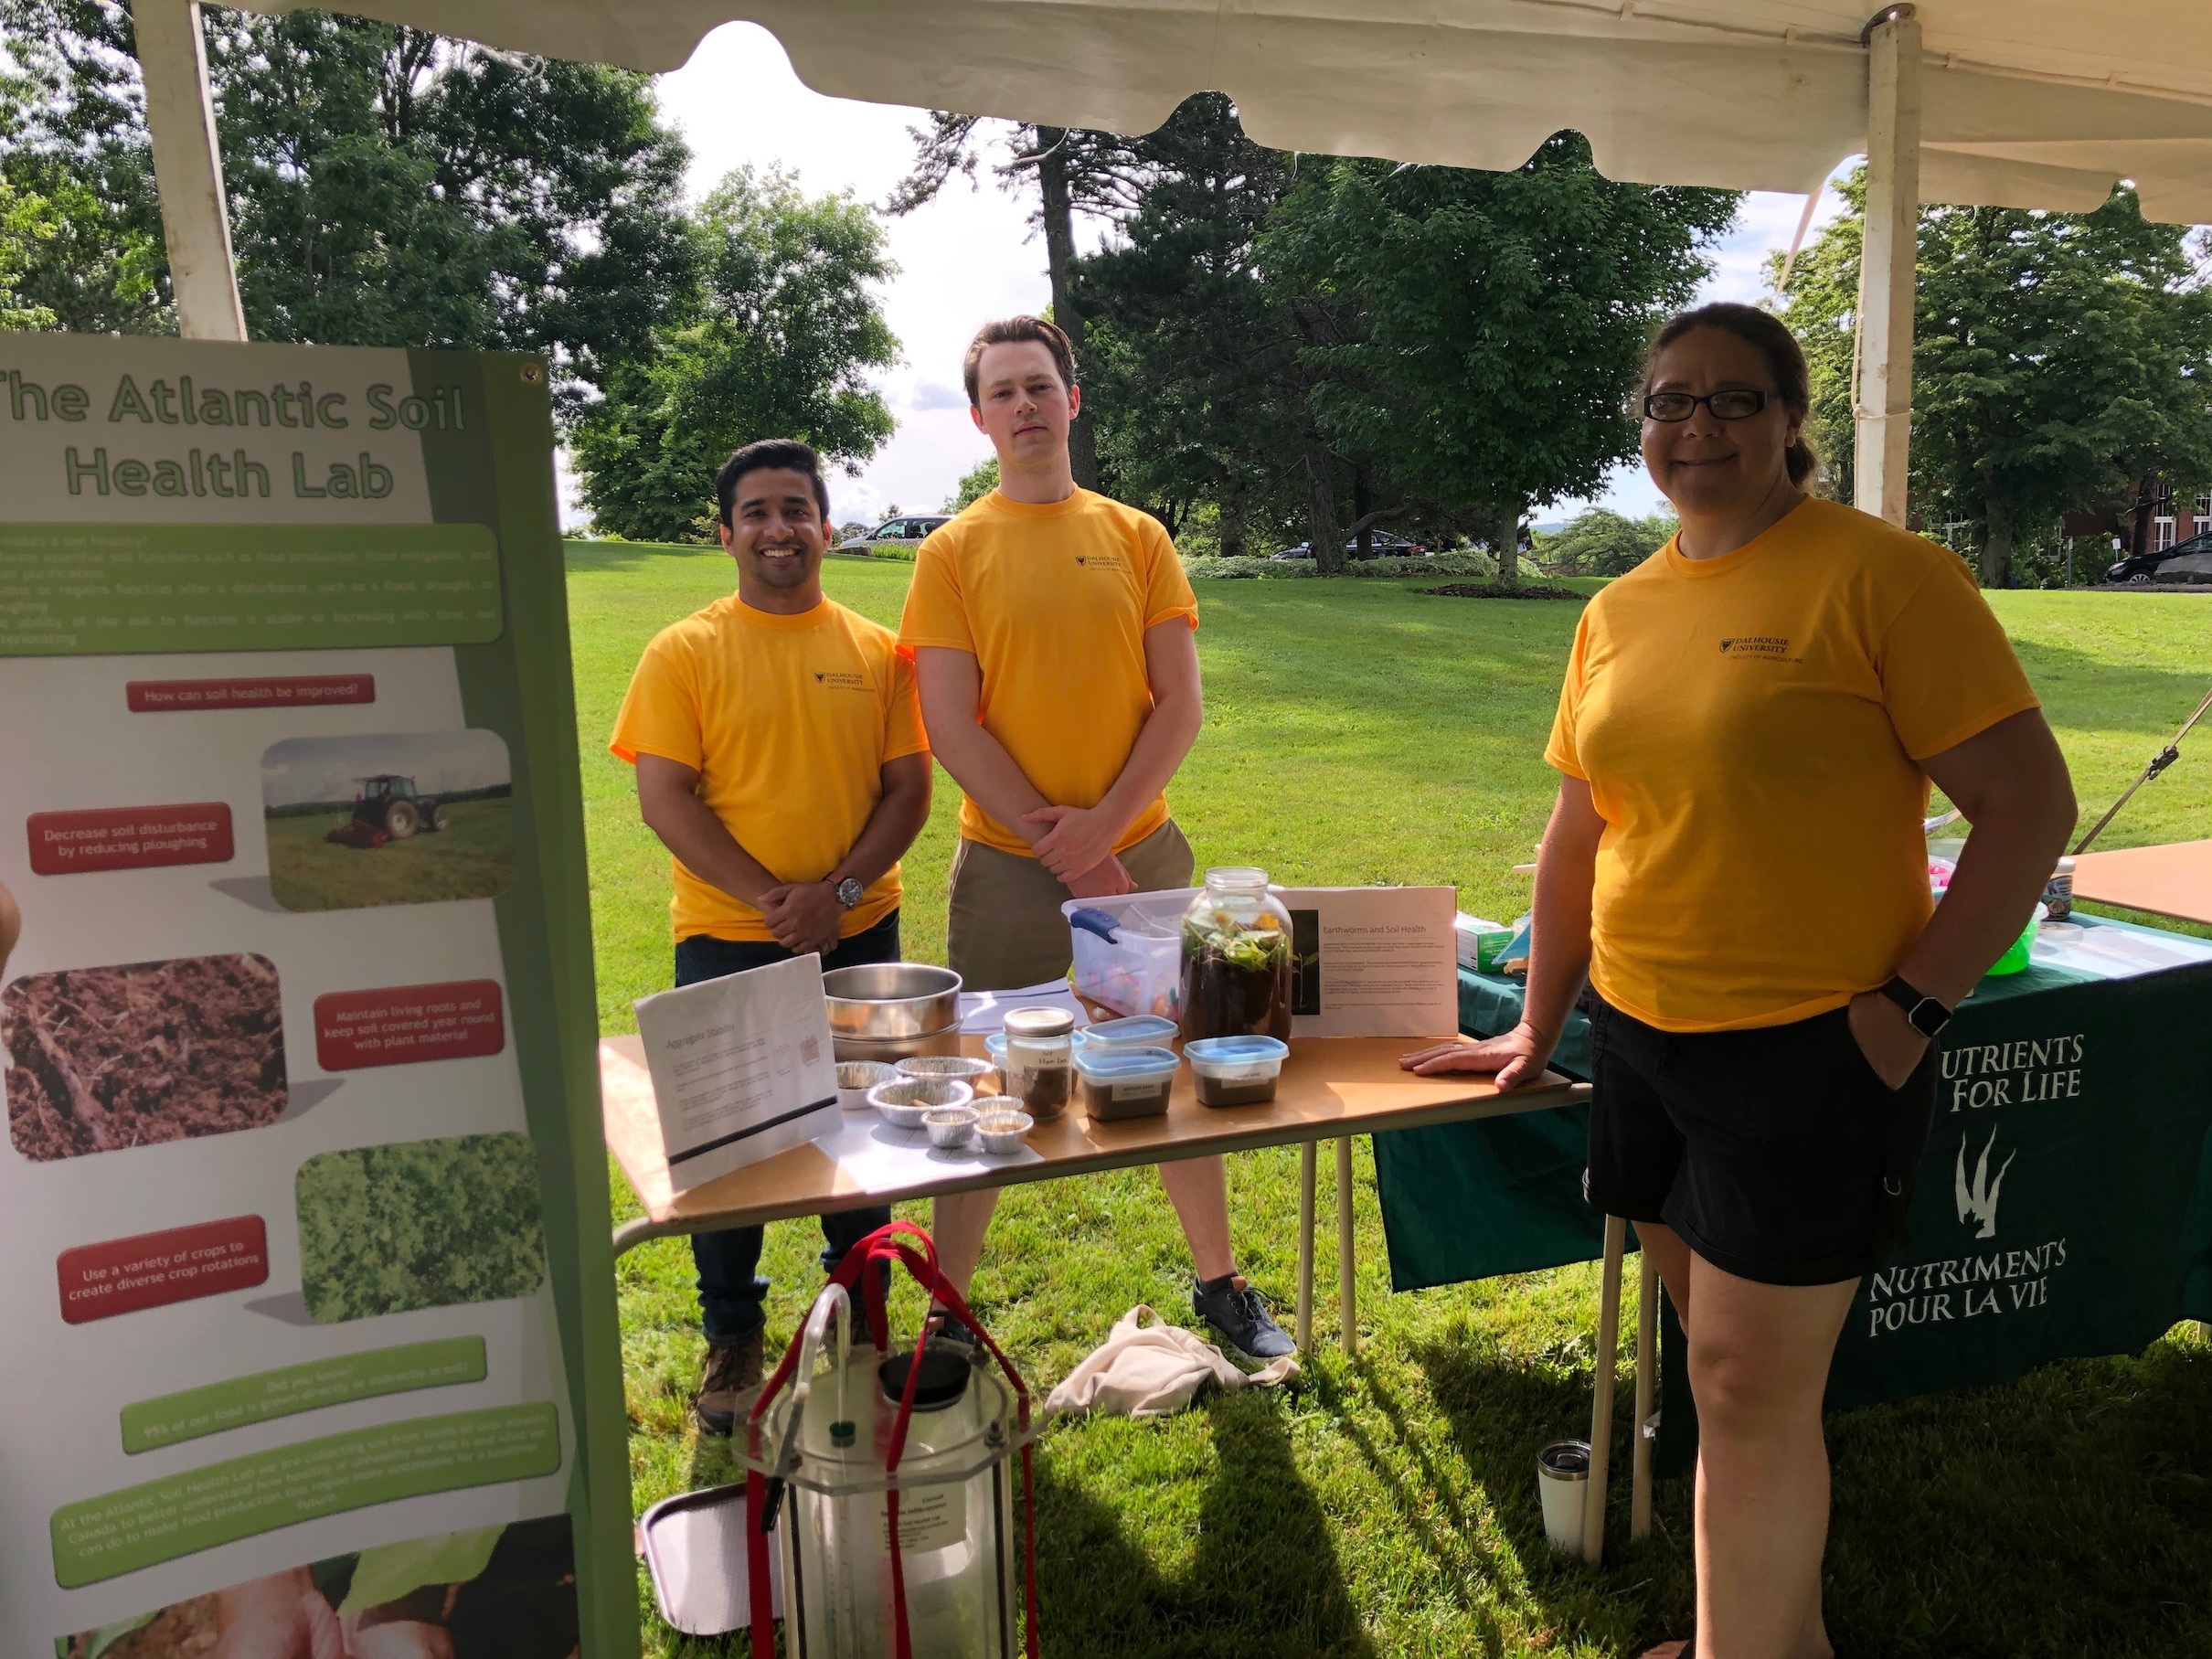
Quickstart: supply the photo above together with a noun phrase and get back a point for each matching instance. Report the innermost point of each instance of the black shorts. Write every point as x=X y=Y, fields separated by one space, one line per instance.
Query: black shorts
x=1776 y=1154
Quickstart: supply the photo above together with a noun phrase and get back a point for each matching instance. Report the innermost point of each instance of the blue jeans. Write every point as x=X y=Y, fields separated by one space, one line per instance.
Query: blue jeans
x=731 y=1290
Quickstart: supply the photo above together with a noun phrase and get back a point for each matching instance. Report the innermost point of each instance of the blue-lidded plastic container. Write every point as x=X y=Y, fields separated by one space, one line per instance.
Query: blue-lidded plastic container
x=1125 y=1082
x=1135 y=1031
x=1236 y=1070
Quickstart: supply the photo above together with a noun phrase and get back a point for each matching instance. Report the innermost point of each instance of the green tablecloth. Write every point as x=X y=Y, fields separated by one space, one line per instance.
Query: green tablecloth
x=2065 y=1199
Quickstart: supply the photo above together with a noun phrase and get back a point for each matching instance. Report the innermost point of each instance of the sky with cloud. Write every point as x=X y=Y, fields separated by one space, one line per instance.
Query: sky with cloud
x=300 y=769
x=972 y=254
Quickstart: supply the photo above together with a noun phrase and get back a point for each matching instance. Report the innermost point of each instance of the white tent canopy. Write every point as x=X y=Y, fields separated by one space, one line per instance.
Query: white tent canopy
x=2030 y=103
x=2024 y=103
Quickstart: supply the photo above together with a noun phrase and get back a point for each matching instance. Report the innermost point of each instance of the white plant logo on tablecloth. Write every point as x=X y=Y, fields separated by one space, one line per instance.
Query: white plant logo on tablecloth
x=1978 y=1200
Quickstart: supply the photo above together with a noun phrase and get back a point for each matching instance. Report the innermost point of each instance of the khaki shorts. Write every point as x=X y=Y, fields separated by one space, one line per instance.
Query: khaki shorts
x=1003 y=926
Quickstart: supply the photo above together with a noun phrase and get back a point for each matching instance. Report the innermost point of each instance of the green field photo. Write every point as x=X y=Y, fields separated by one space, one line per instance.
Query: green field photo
x=403 y=818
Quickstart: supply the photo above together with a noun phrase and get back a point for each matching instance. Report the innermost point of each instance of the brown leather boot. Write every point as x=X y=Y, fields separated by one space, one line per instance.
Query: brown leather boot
x=732 y=1373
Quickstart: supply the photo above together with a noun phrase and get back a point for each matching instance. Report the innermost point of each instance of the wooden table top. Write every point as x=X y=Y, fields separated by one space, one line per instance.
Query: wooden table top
x=2174 y=879
x=1330 y=1087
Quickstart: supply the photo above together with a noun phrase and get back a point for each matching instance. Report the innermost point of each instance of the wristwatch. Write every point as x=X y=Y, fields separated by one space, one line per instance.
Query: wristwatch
x=848 y=891
x=1927 y=1015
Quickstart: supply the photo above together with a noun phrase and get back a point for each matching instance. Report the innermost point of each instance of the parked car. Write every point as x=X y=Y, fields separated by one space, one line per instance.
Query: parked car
x=2185 y=561
x=903 y=532
x=1386 y=545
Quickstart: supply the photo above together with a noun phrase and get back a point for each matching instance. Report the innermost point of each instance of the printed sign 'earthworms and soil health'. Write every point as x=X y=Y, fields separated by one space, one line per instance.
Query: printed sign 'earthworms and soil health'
x=304 y=1187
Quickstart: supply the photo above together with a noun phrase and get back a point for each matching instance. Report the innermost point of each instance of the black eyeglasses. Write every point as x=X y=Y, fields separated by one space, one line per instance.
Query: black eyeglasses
x=1735 y=403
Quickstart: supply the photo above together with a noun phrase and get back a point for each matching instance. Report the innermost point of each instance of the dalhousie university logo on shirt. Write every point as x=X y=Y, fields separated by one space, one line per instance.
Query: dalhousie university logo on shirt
x=835 y=679
x=1767 y=647
x=1101 y=561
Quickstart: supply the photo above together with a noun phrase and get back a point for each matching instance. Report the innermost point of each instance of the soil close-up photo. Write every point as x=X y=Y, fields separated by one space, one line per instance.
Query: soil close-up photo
x=101 y=1058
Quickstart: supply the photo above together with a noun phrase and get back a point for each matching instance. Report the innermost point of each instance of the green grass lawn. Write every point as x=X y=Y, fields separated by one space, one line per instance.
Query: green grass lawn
x=471 y=858
x=1362 y=731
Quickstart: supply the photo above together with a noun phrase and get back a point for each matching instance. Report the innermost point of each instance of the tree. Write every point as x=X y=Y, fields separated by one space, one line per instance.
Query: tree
x=777 y=344
x=1195 y=381
x=1601 y=542
x=1476 y=334
x=386 y=187
x=2057 y=359
x=1074 y=170
x=975 y=484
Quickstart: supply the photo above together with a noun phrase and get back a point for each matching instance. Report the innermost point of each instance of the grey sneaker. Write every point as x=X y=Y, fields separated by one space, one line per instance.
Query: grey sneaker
x=732 y=1373
x=945 y=1327
x=1240 y=1318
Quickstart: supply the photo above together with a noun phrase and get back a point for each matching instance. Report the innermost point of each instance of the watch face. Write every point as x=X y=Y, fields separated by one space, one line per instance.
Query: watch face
x=849 y=892
x=1930 y=1017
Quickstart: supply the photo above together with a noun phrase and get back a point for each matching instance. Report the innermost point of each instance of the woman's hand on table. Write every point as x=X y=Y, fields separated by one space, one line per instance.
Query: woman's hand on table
x=1892 y=1043
x=1515 y=1056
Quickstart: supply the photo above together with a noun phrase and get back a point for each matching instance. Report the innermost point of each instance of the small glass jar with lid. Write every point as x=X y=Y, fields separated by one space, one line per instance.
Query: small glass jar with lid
x=1040 y=1046
x=1237 y=959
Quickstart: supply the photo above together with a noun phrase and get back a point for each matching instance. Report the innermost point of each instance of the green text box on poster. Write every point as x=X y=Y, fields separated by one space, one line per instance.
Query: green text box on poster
x=77 y=590
x=180 y=1515
x=194 y=1412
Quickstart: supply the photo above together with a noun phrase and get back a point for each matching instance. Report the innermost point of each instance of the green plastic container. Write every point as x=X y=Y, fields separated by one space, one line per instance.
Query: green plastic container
x=2016 y=954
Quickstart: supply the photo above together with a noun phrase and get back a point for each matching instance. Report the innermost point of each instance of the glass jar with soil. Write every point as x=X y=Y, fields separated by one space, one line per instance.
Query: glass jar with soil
x=1040 y=1046
x=1236 y=959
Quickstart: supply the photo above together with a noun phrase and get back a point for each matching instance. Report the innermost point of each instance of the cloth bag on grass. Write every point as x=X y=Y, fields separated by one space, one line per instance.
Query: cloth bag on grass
x=1150 y=1370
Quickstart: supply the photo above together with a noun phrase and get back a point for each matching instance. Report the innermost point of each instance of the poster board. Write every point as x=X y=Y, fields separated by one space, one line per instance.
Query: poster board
x=307 y=1268
x=1373 y=961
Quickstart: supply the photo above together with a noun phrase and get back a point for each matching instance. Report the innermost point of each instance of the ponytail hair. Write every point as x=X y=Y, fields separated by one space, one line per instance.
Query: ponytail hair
x=1775 y=343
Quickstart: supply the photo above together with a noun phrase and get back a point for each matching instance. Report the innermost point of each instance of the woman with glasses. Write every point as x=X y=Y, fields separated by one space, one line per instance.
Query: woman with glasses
x=1749 y=725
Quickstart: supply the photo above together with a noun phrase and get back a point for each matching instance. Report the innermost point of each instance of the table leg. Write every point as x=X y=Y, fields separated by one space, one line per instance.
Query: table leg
x=1647 y=1382
x=1308 y=1158
x=1347 y=1295
x=1602 y=1393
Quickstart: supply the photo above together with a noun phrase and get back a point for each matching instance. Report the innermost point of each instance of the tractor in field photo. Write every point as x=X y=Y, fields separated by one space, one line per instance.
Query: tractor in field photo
x=387 y=808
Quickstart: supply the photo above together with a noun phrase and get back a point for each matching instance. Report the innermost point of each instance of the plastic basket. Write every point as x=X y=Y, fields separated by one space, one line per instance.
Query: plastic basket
x=1139 y=970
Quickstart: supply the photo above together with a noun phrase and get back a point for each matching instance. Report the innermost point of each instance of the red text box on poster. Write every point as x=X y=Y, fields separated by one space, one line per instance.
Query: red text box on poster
x=283 y=691
x=403 y=1024
x=154 y=1270
x=129 y=837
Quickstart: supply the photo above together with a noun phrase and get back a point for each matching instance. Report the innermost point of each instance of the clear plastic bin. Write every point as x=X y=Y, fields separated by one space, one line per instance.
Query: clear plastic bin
x=1236 y=1070
x=1128 y=950
x=1125 y=1082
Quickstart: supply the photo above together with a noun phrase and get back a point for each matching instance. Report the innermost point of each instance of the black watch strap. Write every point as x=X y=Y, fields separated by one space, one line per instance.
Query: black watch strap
x=1927 y=1015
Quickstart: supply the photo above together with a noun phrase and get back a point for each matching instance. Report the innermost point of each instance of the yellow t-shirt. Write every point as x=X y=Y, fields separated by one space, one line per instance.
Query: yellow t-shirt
x=789 y=720
x=1053 y=600
x=1748 y=727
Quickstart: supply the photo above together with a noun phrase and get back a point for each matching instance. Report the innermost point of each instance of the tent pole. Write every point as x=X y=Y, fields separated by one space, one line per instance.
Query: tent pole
x=1884 y=397
x=188 y=169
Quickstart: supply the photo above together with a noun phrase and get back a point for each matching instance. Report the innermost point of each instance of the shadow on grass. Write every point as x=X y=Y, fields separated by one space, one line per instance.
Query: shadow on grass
x=1500 y=1413
x=2083 y=687
x=593 y=556
x=1264 y=1578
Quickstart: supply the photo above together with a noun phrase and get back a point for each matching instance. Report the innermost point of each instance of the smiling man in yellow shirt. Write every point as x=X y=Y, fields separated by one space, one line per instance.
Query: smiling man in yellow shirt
x=781 y=758
x=1052 y=631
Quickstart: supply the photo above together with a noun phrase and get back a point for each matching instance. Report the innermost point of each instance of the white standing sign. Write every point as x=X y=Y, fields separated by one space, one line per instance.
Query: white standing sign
x=741 y=1068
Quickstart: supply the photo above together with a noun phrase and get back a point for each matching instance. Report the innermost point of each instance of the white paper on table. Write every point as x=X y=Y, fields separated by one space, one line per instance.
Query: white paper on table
x=2115 y=952
x=877 y=1158
x=982 y=1012
x=741 y=1068
x=1374 y=962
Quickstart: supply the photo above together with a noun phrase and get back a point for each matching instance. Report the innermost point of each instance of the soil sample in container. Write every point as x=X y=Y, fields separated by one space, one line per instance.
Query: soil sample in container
x=1236 y=983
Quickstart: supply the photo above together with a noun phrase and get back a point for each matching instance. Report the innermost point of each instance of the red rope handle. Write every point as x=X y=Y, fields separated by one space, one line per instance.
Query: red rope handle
x=887 y=1245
